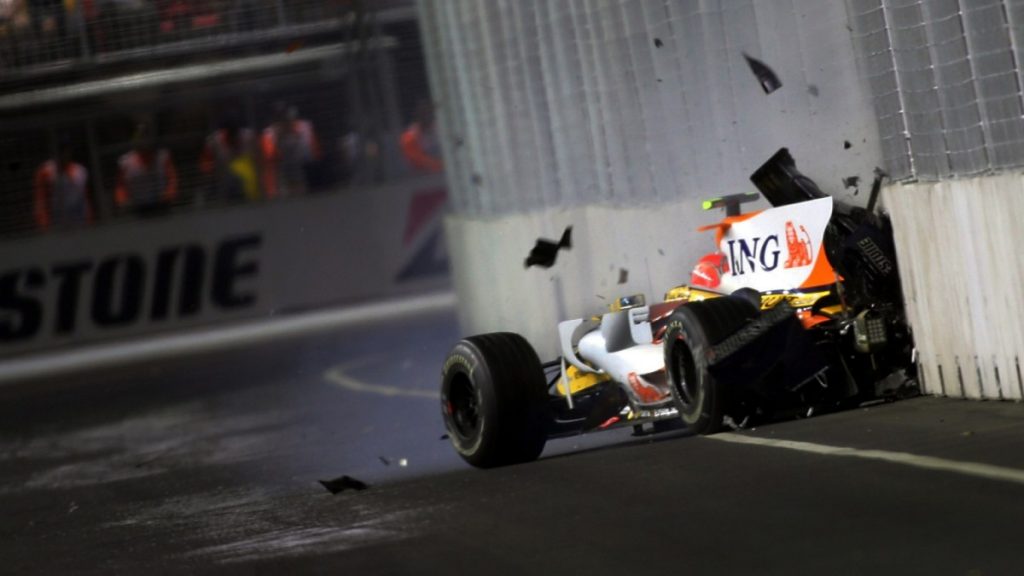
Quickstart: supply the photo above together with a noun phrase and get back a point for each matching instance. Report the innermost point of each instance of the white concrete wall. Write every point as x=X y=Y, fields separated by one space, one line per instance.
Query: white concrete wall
x=657 y=247
x=568 y=112
x=958 y=244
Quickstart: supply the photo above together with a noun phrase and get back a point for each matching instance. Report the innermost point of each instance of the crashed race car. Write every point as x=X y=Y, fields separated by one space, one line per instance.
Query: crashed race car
x=798 y=311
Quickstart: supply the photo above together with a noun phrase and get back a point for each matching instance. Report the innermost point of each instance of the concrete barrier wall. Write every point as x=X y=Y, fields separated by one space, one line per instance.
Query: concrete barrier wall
x=649 y=250
x=619 y=117
x=958 y=244
x=214 y=266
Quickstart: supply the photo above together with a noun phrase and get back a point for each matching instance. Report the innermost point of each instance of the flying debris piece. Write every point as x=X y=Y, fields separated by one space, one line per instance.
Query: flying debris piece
x=847 y=145
x=728 y=422
x=343 y=483
x=658 y=43
x=545 y=251
x=403 y=462
x=765 y=75
x=851 y=181
x=477 y=179
x=876 y=188
x=445 y=436
x=812 y=89
x=384 y=461
x=661 y=252
x=623 y=275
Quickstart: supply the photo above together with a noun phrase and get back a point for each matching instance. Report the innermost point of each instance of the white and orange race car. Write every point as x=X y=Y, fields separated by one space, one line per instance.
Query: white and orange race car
x=799 y=310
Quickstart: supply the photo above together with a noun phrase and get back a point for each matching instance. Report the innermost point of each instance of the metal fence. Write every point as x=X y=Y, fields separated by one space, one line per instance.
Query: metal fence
x=946 y=81
x=38 y=36
x=358 y=85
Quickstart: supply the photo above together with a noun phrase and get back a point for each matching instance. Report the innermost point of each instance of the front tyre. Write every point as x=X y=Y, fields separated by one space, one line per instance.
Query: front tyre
x=494 y=400
x=692 y=330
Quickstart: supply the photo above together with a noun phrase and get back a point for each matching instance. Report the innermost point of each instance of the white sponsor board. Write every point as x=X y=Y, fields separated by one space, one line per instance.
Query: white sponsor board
x=777 y=249
x=217 y=265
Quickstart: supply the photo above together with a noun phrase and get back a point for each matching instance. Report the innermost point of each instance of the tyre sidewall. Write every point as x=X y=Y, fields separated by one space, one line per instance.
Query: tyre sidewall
x=465 y=359
x=684 y=330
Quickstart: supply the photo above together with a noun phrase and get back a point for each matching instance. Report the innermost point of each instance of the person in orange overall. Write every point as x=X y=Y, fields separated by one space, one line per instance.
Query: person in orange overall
x=419 y=142
x=289 y=145
x=61 y=191
x=147 y=180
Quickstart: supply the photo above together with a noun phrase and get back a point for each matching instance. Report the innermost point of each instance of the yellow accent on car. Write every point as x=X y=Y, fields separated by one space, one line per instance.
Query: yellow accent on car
x=580 y=380
x=832 y=310
x=689 y=294
x=768 y=300
x=796 y=300
x=627 y=302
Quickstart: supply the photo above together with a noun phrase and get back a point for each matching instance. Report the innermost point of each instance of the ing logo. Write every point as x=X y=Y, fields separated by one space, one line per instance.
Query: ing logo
x=798 y=244
x=757 y=254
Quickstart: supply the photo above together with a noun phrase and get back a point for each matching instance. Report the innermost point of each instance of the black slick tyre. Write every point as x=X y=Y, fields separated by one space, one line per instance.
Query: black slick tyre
x=692 y=330
x=494 y=400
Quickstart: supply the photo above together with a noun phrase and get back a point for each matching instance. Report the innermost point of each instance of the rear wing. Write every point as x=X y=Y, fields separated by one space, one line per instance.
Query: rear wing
x=782 y=184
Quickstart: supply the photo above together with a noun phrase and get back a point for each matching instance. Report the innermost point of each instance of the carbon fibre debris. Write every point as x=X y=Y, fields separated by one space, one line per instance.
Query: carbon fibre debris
x=765 y=75
x=545 y=252
x=342 y=483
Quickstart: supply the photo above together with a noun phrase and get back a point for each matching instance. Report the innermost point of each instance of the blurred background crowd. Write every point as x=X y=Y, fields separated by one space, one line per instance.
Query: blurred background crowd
x=127 y=108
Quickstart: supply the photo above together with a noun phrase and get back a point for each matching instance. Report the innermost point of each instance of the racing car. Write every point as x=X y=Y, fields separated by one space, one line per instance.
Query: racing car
x=799 y=310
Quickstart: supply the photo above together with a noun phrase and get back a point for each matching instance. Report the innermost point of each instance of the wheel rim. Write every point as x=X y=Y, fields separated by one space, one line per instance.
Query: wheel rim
x=463 y=409
x=685 y=374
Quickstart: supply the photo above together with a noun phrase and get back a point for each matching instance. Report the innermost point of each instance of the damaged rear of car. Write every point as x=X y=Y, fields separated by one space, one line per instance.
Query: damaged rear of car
x=813 y=318
x=799 y=310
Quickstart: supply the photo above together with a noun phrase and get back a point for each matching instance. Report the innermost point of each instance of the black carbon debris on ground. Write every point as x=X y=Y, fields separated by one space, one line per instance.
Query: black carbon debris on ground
x=343 y=483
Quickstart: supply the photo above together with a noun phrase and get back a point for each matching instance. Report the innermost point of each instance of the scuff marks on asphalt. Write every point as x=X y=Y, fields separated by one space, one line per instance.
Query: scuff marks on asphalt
x=151 y=443
x=251 y=525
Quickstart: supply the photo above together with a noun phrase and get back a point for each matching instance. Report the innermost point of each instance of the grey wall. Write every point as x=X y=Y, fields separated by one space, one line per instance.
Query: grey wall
x=618 y=117
x=570 y=102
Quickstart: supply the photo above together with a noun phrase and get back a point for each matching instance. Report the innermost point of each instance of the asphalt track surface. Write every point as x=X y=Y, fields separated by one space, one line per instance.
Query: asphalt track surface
x=209 y=464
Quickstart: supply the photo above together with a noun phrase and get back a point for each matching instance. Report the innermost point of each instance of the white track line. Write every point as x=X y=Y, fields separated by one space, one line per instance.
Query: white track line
x=211 y=339
x=339 y=376
x=976 y=469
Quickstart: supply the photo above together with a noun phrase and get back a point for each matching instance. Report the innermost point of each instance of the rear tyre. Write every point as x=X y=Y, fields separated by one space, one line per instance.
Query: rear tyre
x=494 y=400
x=692 y=330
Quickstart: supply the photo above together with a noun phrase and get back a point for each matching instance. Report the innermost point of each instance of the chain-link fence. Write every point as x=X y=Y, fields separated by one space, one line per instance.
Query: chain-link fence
x=298 y=111
x=946 y=79
x=45 y=33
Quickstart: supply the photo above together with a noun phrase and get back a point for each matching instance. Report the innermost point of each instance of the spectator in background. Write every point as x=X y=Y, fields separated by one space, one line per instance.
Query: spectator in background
x=51 y=27
x=16 y=33
x=359 y=157
x=124 y=24
x=61 y=190
x=147 y=181
x=229 y=156
x=289 y=147
x=419 y=142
